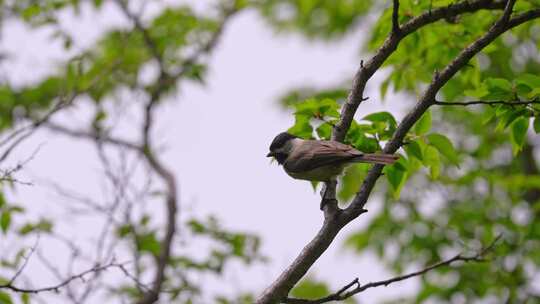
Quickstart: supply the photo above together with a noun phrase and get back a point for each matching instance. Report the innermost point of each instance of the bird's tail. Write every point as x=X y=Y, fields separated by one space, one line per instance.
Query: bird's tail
x=384 y=159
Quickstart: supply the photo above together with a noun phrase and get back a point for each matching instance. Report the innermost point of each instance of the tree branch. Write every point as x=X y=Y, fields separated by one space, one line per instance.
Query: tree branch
x=488 y=102
x=57 y=287
x=367 y=69
x=428 y=98
x=395 y=18
x=343 y=293
x=152 y=295
x=81 y=134
x=332 y=224
x=150 y=44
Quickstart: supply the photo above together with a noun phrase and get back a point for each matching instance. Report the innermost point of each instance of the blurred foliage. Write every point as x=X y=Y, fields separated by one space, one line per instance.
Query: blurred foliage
x=466 y=174
x=120 y=61
x=314 y=18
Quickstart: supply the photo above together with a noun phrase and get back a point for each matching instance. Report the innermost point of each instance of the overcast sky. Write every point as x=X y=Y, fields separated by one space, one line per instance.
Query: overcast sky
x=216 y=138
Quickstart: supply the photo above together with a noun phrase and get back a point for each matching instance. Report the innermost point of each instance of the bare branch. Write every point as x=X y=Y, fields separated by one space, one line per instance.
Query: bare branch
x=7 y=174
x=168 y=177
x=26 y=260
x=80 y=134
x=488 y=102
x=57 y=287
x=346 y=291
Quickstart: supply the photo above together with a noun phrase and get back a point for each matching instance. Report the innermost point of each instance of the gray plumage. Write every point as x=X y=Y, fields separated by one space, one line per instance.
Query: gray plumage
x=319 y=160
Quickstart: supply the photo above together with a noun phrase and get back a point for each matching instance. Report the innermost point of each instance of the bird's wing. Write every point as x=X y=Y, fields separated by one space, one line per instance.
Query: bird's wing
x=314 y=154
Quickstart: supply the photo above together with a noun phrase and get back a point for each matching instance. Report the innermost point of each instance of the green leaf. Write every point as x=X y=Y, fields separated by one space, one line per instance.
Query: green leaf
x=5 y=220
x=351 y=180
x=148 y=243
x=536 y=124
x=42 y=225
x=384 y=88
x=499 y=84
x=534 y=94
x=366 y=144
x=5 y=298
x=518 y=134
x=423 y=125
x=25 y=298
x=530 y=80
x=511 y=116
x=382 y=117
x=324 y=131
x=432 y=160
x=313 y=107
x=444 y=146
x=413 y=149
x=396 y=175
x=314 y=185
x=302 y=128
x=310 y=289
x=498 y=88
x=123 y=230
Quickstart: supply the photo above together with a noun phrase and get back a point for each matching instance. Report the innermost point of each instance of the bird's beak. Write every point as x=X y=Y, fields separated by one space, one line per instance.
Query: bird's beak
x=270 y=154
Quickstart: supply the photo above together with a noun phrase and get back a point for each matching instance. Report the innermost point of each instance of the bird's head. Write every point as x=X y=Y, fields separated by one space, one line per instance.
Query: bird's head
x=281 y=147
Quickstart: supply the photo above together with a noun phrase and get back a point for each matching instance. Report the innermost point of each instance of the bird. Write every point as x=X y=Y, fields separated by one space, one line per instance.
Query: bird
x=319 y=160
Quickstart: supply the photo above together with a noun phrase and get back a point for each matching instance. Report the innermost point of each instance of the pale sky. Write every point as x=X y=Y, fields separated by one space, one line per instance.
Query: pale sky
x=216 y=137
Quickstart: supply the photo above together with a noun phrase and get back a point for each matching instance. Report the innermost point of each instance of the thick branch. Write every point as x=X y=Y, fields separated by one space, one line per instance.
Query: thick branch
x=285 y=282
x=395 y=18
x=280 y=288
x=152 y=295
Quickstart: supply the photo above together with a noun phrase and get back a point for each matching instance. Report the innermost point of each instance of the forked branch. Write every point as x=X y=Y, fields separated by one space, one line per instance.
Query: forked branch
x=332 y=225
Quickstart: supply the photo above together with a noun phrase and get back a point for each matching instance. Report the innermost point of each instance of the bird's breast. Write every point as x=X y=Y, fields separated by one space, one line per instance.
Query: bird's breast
x=321 y=174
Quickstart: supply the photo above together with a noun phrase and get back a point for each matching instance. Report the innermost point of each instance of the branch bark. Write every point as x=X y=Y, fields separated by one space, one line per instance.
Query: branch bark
x=367 y=69
x=395 y=18
x=335 y=218
x=168 y=177
x=346 y=291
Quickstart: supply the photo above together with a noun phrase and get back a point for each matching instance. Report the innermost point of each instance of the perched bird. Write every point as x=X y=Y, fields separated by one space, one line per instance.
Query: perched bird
x=319 y=160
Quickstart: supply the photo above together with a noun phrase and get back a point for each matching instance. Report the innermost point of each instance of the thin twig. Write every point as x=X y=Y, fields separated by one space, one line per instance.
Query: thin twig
x=347 y=292
x=58 y=286
x=487 y=102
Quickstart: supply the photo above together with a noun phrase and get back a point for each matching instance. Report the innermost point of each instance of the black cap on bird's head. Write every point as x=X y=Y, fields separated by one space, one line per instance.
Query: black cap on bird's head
x=279 y=142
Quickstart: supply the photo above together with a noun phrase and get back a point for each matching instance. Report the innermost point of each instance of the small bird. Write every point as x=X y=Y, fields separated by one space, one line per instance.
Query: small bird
x=319 y=160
